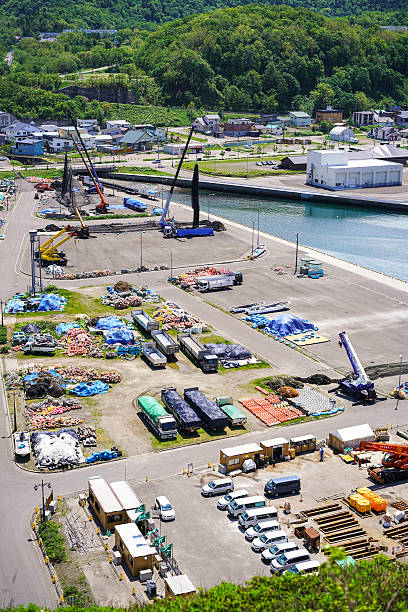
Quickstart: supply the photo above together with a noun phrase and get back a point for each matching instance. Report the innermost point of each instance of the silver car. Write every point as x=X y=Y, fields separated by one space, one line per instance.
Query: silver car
x=275 y=551
x=224 y=501
x=257 y=530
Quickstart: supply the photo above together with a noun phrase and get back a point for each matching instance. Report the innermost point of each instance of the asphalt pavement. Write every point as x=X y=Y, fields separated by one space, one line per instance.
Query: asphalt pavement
x=23 y=577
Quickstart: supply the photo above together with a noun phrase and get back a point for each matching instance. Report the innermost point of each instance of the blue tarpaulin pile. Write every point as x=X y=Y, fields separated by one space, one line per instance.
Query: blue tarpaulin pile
x=105 y=455
x=111 y=322
x=85 y=389
x=14 y=305
x=64 y=327
x=283 y=325
x=119 y=335
x=52 y=301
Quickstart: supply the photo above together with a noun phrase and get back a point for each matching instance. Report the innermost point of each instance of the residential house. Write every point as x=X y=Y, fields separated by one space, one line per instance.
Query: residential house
x=240 y=127
x=136 y=140
x=18 y=129
x=379 y=132
x=54 y=143
x=383 y=118
x=401 y=118
x=300 y=119
x=49 y=127
x=103 y=141
x=363 y=118
x=283 y=120
x=69 y=131
x=334 y=170
x=117 y=123
x=208 y=124
x=268 y=118
x=329 y=114
x=28 y=147
x=6 y=119
x=342 y=134
x=90 y=125
x=275 y=129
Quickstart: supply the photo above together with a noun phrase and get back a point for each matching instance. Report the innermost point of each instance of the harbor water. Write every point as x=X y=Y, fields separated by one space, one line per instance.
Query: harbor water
x=377 y=240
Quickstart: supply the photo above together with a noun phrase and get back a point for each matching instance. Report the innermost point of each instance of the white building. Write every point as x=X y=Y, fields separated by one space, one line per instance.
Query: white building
x=117 y=123
x=342 y=133
x=177 y=149
x=88 y=124
x=55 y=143
x=18 y=129
x=335 y=170
x=388 y=133
x=300 y=119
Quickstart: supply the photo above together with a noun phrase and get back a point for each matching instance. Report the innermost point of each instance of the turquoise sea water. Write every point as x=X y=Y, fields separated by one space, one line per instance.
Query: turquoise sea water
x=376 y=240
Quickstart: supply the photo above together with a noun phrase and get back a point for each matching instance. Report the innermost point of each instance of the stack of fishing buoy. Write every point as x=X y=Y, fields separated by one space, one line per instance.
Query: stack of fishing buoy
x=78 y=342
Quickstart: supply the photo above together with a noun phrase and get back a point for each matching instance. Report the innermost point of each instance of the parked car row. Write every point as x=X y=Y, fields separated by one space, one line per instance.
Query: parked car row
x=267 y=163
x=261 y=524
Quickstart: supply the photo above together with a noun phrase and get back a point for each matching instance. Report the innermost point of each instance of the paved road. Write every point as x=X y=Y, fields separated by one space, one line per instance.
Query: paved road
x=23 y=577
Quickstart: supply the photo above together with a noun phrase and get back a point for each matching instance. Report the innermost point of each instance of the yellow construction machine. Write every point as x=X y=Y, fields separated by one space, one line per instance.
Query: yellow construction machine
x=48 y=252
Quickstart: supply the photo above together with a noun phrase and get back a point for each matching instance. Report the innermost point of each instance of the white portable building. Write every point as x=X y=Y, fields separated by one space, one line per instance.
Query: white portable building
x=350 y=437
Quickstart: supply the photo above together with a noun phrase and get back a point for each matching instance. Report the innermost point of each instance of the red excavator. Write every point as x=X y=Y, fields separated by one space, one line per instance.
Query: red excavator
x=394 y=462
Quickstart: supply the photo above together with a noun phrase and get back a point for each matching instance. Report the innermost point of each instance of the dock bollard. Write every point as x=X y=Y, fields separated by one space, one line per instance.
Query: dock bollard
x=121 y=576
x=214 y=467
x=147 y=479
x=106 y=546
x=184 y=471
x=209 y=464
x=54 y=579
x=133 y=591
x=110 y=559
x=61 y=599
x=90 y=517
x=98 y=531
x=46 y=560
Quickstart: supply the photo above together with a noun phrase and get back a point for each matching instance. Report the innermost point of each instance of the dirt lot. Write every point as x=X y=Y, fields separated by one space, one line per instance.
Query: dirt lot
x=115 y=414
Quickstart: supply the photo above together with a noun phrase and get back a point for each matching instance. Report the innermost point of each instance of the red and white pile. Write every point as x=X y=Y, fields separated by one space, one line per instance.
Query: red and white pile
x=74 y=374
x=78 y=342
x=189 y=278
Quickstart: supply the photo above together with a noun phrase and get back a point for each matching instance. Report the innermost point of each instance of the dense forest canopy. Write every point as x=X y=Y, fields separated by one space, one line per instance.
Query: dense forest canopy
x=33 y=16
x=266 y=57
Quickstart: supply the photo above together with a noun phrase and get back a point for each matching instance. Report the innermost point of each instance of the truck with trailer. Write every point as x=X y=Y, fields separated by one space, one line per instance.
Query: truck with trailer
x=208 y=411
x=165 y=343
x=186 y=417
x=144 y=321
x=199 y=355
x=214 y=283
x=162 y=423
x=153 y=355
x=234 y=415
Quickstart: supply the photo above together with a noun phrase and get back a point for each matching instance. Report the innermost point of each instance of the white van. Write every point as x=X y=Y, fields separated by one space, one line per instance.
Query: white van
x=268 y=538
x=227 y=499
x=260 y=528
x=257 y=515
x=276 y=550
x=307 y=567
x=238 y=506
x=287 y=559
x=217 y=487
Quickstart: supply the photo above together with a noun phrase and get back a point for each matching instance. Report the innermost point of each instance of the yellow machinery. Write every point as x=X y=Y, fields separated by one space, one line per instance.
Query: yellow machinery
x=49 y=250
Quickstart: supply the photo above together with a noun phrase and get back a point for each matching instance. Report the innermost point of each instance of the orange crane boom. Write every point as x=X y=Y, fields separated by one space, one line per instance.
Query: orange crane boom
x=396 y=455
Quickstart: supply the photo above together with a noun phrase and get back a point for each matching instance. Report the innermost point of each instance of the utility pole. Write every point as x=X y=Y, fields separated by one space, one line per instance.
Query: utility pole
x=253 y=231
x=40 y=263
x=33 y=235
x=297 y=252
x=2 y=313
x=258 y=230
x=42 y=485
x=171 y=264
x=14 y=393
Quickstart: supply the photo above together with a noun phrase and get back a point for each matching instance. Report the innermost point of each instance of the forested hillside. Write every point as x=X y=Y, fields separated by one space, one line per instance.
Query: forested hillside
x=263 y=57
x=33 y=16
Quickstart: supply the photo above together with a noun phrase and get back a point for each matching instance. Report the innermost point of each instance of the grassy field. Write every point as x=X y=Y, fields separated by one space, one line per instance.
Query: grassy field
x=237 y=168
x=141 y=170
x=201 y=435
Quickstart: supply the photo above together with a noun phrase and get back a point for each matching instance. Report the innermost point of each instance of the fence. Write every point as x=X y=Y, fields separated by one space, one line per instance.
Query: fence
x=48 y=564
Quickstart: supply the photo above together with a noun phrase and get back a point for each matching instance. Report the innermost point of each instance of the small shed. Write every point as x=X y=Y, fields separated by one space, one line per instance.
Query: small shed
x=303 y=444
x=350 y=437
x=134 y=548
x=294 y=162
x=275 y=448
x=233 y=457
x=178 y=586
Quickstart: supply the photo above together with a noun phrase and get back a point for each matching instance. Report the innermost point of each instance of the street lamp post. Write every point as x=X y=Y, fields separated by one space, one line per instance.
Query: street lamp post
x=171 y=264
x=141 y=249
x=42 y=485
x=399 y=382
x=257 y=244
x=252 y=243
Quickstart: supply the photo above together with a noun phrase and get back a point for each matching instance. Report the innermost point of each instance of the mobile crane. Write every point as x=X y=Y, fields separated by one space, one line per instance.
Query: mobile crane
x=394 y=463
x=360 y=387
x=48 y=252
x=103 y=207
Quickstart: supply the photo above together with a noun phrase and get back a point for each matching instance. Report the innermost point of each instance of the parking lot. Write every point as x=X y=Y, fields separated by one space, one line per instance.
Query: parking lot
x=209 y=547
